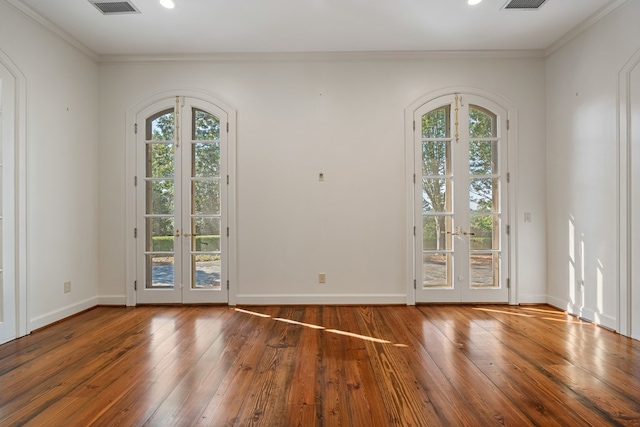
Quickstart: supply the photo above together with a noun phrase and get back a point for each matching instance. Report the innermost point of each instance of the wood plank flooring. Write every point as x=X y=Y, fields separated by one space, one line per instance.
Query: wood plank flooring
x=321 y=366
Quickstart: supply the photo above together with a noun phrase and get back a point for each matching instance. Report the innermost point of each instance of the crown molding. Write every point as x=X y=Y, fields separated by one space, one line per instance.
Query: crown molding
x=53 y=28
x=584 y=25
x=322 y=56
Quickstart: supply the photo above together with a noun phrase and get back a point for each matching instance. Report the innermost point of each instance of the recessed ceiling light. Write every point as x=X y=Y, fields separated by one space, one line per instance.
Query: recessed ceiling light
x=473 y=2
x=169 y=4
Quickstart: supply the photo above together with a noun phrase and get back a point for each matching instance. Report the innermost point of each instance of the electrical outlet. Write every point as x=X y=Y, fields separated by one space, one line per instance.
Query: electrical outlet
x=322 y=278
x=67 y=287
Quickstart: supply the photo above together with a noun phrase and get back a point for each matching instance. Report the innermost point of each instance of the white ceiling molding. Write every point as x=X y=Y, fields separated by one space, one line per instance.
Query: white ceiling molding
x=324 y=56
x=574 y=32
x=53 y=28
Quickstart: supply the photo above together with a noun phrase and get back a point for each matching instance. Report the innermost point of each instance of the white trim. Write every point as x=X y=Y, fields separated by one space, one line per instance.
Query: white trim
x=623 y=324
x=53 y=28
x=532 y=299
x=323 y=56
x=512 y=116
x=583 y=313
x=21 y=187
x=130 y=173
x=112 y=300
x=320 y=299
x=62 y=313
x=584 y=25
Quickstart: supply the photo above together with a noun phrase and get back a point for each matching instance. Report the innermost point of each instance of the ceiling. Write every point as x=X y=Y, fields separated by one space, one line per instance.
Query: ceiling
x=221 y=26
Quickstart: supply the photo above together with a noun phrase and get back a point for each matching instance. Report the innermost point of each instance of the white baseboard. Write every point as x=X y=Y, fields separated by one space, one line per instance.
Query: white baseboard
x=532 y=299
x=112 y=300
x=319 y=299
x=558 y=303
x=56 y=315
x=586 y=313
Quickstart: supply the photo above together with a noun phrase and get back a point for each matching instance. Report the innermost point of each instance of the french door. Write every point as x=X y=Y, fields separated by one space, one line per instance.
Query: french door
x=181 y=192
x=460 y=217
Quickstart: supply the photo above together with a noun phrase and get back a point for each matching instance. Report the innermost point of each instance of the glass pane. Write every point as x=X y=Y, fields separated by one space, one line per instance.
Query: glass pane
x=206 y=159
x=436 y=232
x=437 y=270
x=160 y=160
x=206 y=197
x=436 y=123
x=160 y=126
x=483 y=157
x=484 y=270
x=482 y=122
x=436 y=195
x=485 y=231
x=205 y=126
x=159 y=271
x=483 y=195
x=207 y=234
x=159 y=234
x=207 y=271
x=160 y=197
x=436 y=158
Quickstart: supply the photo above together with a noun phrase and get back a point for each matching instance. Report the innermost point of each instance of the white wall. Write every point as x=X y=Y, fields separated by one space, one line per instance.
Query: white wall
x=62 y=120
x=342 y=115
x=582 y=88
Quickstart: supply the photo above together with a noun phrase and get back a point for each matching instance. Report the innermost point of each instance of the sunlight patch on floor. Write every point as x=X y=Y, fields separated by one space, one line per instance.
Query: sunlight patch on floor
x=318 y=327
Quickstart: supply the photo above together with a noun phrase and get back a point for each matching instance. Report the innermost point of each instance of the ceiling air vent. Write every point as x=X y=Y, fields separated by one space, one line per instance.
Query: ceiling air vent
x=523 y=4
x=114 y=7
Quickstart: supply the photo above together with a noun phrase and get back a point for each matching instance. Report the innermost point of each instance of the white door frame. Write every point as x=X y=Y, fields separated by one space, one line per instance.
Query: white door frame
x=625 y=192
x=131 y=201
x=512 y=160
x=16 y=158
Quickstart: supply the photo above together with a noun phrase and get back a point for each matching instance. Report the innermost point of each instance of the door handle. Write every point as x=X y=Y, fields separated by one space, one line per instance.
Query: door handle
x=456 y=233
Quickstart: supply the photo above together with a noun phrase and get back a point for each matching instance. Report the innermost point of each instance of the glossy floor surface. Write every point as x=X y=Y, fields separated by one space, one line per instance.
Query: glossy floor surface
x=321 y=366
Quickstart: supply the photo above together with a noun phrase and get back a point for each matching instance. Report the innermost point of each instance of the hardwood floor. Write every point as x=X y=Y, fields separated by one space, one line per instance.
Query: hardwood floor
x=321 y=366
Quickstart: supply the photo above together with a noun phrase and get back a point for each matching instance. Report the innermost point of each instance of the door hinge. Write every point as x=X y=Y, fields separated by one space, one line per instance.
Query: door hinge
x=135 y=233
x=414 y=230
x=414 y=284
x=227 y=285
x=508 y=177
x=227 y=231
x=135 y=128
x=508 y=283
x=135 y=285
x=135 y=181
x=414 y=125
x=227 y=179
x=507 y=124
x=508 y=229
x=227 y=127
x=414 y=178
